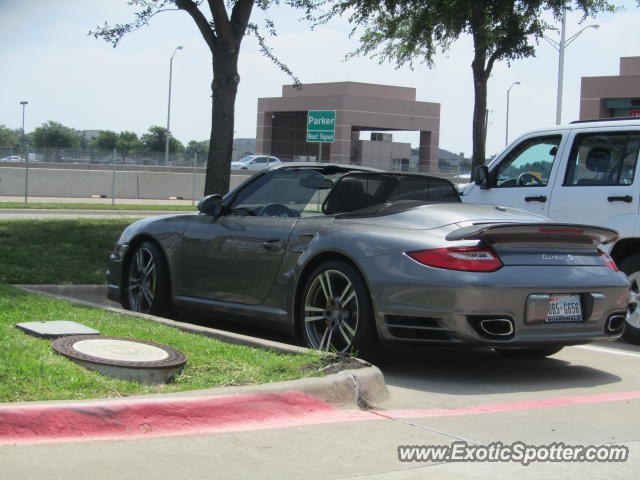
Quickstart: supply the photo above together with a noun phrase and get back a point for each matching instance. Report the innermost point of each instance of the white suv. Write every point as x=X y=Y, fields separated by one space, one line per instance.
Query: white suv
x=584 y=172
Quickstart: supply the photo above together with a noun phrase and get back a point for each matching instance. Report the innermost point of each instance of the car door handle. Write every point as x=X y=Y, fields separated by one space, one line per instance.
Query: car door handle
x=540 y=198
x=273 y=245
x=625 y=198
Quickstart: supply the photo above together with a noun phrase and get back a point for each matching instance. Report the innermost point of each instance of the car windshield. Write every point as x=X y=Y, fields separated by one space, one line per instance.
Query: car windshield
x=246 y=159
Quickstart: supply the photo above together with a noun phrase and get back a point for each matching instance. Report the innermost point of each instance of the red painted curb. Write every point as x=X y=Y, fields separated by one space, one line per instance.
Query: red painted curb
x=131 y=418
x=127 y=418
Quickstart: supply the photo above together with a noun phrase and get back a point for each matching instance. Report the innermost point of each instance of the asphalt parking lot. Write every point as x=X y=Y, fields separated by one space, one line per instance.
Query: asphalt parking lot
x=586 y=395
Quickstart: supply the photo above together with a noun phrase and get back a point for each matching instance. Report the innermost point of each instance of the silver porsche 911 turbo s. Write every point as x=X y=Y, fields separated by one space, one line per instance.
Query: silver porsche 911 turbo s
x=350 y=258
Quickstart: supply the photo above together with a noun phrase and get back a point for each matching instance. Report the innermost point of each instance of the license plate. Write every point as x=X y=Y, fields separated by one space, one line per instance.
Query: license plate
x=564 y=308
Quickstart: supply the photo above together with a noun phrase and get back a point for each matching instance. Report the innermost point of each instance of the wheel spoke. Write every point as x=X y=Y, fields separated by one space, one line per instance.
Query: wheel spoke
x=328 y=280
x=349 y=329
x=140 y=262
x=308 y=308
x=324 y=288
x=344 y=293
x=324 y=337
x=147 y=296
x=350 y=297
x=346 y=337
x=139 y=301
x=313 y=319
x=149 y=268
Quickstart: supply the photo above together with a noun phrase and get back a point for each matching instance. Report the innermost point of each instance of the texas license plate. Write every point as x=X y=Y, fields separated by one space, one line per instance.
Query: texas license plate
x=564 y=308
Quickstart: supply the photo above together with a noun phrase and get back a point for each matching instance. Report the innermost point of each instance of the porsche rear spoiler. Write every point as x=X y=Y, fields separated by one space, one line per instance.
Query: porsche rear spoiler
x=551 y=233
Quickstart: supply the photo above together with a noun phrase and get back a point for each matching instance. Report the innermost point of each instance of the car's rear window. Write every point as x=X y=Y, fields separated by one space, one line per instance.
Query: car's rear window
x=363 y=191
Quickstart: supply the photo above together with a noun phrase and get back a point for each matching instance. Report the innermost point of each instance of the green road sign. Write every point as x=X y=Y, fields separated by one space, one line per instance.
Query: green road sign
x=321 y=126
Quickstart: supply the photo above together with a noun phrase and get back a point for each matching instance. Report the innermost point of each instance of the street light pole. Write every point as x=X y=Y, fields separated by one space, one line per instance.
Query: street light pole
x=24 y=155
x=506 y=133
x=561 y=46
x=168 y=133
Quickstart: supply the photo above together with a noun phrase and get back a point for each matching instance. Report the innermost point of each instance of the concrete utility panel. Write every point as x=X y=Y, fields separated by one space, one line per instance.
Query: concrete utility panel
x=55 y=329
x=282 y=121
x=126 y=358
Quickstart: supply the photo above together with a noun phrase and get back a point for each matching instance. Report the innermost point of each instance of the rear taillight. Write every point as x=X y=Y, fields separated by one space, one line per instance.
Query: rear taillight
x=468 y=259
x=608 y=261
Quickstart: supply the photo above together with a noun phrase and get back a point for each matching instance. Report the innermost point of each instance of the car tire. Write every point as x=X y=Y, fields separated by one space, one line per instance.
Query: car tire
x=335 y=311
x=147 y=287
x=631 y=267
x=529 y=352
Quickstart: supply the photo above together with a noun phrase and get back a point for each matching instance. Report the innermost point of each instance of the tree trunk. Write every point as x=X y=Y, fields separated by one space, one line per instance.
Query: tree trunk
x=224 y=88
x=479 y=117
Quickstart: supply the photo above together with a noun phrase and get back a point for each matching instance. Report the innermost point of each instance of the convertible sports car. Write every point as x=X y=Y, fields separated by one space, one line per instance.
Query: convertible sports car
x=349 y=258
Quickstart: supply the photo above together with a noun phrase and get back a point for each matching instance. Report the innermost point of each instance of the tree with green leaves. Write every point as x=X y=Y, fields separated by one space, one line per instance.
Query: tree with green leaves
x=127 y=143
x=405 y=31
x=105 y=140
x=193 y=147
x=10 y=138
x=155 y=141
x=223 y=25
x=55 y=135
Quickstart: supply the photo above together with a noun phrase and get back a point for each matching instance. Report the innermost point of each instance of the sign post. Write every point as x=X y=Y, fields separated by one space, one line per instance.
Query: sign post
x=321 y=128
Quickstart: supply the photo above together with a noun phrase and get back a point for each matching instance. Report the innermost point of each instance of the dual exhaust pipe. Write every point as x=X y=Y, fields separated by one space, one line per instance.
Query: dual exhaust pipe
x=496 y=327
x=615 y=324
x=503 y=327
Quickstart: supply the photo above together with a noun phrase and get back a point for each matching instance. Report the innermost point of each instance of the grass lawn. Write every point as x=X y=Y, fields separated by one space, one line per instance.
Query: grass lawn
x=97 y=206
x=57 y=251
x=31 y=370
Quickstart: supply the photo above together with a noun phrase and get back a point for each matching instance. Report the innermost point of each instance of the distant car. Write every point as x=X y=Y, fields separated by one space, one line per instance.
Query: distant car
x=347 y=257
x=255 y=162
x=12 y=158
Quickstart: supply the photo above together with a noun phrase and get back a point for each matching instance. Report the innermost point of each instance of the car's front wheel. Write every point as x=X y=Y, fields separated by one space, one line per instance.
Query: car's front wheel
x=631 y=267
x=529 y=352
x=335 y=310
x=147 y=284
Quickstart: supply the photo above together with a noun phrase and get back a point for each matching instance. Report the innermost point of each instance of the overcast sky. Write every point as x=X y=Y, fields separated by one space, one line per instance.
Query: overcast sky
x=48 y=59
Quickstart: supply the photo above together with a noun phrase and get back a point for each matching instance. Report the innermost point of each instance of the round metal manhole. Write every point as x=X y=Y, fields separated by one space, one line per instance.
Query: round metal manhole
x=126 y=358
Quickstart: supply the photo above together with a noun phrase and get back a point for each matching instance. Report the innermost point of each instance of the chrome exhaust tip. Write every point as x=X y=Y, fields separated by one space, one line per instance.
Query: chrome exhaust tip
x=615 y=323
x=497 y=327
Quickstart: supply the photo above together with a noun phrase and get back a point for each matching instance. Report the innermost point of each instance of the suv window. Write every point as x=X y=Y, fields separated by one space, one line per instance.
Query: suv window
x=603 y=159
x=528 y=164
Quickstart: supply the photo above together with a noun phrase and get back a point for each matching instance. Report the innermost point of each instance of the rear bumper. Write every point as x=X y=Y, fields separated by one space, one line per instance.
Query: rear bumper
x=415 y=304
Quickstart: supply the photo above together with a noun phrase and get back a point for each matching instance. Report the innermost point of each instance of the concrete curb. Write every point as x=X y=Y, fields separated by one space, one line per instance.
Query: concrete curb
x=34 y=422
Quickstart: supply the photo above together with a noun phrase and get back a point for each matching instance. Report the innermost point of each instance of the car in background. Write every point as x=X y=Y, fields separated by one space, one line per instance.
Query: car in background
x=12 y=158
x=255 y=162
x=349 y=258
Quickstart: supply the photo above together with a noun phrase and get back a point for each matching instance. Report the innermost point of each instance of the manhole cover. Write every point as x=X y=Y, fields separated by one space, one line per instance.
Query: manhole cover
x=125 y=358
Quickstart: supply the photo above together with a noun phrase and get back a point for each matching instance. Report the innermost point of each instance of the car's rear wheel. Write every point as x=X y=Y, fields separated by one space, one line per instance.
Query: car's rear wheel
x=529 y=352
x=335 y=310
x=631 y=266
x=147 y=286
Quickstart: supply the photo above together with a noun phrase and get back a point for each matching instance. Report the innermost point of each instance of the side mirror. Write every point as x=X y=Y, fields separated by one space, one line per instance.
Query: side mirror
x=211 y=205
x=481 y=176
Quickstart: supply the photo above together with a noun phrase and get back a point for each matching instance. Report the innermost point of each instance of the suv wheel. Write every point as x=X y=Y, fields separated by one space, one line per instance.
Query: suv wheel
x=631 y=266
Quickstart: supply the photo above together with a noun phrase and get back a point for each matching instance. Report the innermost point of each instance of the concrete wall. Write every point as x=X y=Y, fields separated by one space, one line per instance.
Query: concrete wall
x=49 y=182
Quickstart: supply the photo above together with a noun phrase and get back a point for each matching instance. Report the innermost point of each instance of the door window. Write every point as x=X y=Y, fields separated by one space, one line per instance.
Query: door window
x=603 y=159
x=528 y=164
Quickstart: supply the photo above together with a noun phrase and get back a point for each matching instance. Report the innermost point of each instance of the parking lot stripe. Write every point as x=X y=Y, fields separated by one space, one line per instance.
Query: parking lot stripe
x=608 y=350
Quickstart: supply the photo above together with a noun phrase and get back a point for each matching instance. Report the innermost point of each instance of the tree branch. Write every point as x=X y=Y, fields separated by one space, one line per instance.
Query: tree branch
x=240 y=18
x=201 y=22
x=221 y=20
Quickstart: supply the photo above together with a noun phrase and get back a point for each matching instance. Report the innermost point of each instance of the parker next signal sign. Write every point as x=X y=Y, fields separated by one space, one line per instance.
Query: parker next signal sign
x=321 y=126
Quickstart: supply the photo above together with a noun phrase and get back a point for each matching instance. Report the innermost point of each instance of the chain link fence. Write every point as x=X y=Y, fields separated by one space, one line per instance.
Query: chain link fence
x=90 y=173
